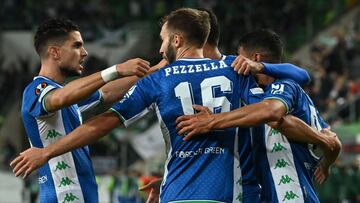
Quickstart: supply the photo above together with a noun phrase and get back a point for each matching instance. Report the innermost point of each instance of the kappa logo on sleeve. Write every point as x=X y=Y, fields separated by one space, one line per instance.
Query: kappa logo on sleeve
x=277 y=88
x=40 y=88
x=129 y=93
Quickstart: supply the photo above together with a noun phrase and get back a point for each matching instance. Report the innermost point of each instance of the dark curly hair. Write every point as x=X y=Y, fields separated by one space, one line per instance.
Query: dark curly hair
x=265 y=41
x=52 y=31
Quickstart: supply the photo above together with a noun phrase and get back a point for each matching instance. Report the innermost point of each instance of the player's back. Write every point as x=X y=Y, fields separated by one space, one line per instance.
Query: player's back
x=207 y=168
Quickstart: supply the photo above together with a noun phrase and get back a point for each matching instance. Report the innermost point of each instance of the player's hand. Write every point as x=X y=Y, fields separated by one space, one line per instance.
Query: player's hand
x=245 y=66
x=331 y=153
x=322 y=172
x=332 y=142
x=193 y=125
x=137 y=66
x=28 y=161
x=155 y=68
x=154 y=187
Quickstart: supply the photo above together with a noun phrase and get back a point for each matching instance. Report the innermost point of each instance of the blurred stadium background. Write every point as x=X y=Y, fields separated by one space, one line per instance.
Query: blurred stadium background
x=322 y=36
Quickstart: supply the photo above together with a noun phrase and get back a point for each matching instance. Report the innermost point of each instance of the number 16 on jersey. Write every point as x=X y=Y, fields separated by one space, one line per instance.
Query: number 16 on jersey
x=184 y=92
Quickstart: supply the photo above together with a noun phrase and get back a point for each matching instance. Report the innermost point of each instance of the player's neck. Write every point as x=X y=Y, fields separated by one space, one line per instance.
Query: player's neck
x=212 y=52
x=51 y=71
x=189 y=52
x=264 y=80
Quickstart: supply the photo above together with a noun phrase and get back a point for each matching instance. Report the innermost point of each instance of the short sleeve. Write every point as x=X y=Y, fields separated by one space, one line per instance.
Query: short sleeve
x=283 y=90
x=34 y=96
x=137 y=101
x=90 y=102
x=250 y=92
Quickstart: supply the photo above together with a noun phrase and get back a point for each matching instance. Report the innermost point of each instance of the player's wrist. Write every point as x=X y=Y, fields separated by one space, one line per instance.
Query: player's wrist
x=214 y=122
x=327 y=160
x=47 y=153
x=322 y=142
x=110 y=74
x=325 y=142
x=261 y=67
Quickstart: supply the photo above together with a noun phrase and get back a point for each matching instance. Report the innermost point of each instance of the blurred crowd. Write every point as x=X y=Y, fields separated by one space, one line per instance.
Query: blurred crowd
x=342 y=185
x=236 y=17
x=334 y=59
x=335 y=72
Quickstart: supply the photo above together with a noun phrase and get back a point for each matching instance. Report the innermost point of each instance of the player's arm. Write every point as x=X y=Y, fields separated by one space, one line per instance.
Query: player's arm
x=243 y=65
x=296 y=129
x=154 y=190
x=263 y=112
x=115 y=90
x=325 y=139
x=79 y=89
x=279 y=98
x=287 y=71
x=323 y=169
x=292 y=127
x=95 y=128
x=89 y=132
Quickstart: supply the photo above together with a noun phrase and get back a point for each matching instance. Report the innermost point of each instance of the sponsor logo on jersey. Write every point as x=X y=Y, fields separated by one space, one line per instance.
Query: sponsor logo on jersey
x=290 y=195
x=61 y=165
x=70 y=197
x=53 y=134
x=285 y=180
x=278 y=147
x=308 y=165
x=42 y=179
x=66 y=182
x=281 y=163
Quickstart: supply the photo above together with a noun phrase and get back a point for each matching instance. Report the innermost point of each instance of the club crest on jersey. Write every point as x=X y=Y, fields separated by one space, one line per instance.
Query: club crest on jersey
x=277 y=88
x=40 y=88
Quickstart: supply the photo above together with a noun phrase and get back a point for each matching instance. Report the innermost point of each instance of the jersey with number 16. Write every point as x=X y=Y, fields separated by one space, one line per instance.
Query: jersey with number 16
x=210 y=168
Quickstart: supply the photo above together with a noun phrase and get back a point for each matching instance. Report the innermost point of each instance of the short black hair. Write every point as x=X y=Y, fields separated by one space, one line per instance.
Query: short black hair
x=265 y=41
x=214 y=35
x=192 y=23
x=51 y=31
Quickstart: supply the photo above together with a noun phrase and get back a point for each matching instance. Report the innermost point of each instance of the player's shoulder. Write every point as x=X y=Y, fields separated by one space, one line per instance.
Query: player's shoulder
x=283 y=85
x=228 y=57
x=286 y=81
x=38 y=84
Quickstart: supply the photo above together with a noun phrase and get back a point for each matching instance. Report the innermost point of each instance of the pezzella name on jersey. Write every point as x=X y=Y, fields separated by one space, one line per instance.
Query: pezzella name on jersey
x=191 y=68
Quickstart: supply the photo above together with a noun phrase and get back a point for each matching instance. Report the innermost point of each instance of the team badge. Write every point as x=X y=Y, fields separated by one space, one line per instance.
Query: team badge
x=40 y=88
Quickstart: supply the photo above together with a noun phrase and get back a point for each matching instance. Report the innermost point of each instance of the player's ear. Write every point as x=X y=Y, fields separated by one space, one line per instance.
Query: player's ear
x=54 y=52
x=257 y=57
x=178 y=40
